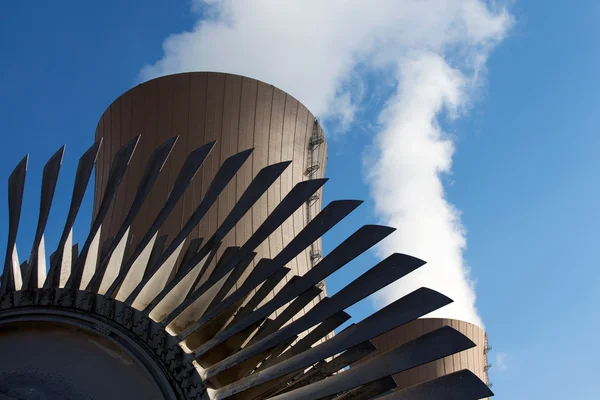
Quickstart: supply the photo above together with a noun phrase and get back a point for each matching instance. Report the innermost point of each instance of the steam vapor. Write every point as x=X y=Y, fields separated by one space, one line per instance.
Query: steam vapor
x=435 y=53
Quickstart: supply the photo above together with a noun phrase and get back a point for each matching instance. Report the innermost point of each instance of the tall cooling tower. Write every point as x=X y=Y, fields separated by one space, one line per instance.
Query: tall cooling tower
x=239 y=113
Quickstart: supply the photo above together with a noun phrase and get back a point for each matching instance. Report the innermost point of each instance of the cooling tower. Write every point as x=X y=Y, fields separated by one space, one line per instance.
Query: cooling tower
x=474 y=359
x=238 y=113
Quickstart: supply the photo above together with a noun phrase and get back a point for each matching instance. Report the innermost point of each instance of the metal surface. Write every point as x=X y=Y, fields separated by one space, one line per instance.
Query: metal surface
x=64 y=257
x=384 y=273
x=359 y=242
x=86 y=261
x=225 y=174
x=323 y=369
x=461 y=385
x=189 y=169
x=203 y=319
x=11 y=276
x=473 y=359
x=428 y=347
x=36 y=273
x=370 y=390
x=307 y=341
x=238 y=113
x=245 y=350
x=46 y=349
x=155 y=165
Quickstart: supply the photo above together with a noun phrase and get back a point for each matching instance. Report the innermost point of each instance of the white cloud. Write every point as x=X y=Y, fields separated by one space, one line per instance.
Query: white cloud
x=501 y=359
x=433 y=52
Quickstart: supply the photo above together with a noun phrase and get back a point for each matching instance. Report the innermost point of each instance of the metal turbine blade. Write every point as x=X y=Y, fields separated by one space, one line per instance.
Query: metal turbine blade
x=86 y=262
x=60 y=268
x=155 y=164
x=11 y=276
x=141 y=254
x=216 y=323
x=429 y=347
x=460 y=385
x=37 y=260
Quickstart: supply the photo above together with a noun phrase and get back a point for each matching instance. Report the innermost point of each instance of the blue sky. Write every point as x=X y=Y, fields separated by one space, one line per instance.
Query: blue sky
x=524 y=171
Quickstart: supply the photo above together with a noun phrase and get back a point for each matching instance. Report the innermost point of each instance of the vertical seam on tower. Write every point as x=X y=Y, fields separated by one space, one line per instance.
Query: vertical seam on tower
x=146 y=205
x=105 y=143
x=237 y=149
x=187 y=144
x=132 y=239
x=99 y=171
x=127 y=197
x=293 y=152
x=252 y=165
x=172 y=133
x=102 y=149
x=281 y=153
x=268 y=162
x=191 y=131
x=108 y=219
x=127 y=174
x=108 y=156
x=268 y=158
x=305 y=165
x=161 y=229
x=143 y=141
x=204 y=165
x=221 y=152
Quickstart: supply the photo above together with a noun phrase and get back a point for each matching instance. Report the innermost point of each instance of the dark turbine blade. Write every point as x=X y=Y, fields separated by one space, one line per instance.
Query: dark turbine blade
x=60 y=268
x=37 y=272
x=11 y=276
x=461 y=385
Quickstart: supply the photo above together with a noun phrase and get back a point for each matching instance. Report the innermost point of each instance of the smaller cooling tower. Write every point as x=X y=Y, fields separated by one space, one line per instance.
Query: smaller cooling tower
x=474 y=359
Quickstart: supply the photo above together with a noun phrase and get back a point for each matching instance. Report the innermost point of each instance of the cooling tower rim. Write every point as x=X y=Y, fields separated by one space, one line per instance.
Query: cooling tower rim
x=161 y=77
x=451 y=319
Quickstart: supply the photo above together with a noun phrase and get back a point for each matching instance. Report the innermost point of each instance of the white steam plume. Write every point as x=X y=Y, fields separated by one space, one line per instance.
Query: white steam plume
x=434 y=51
